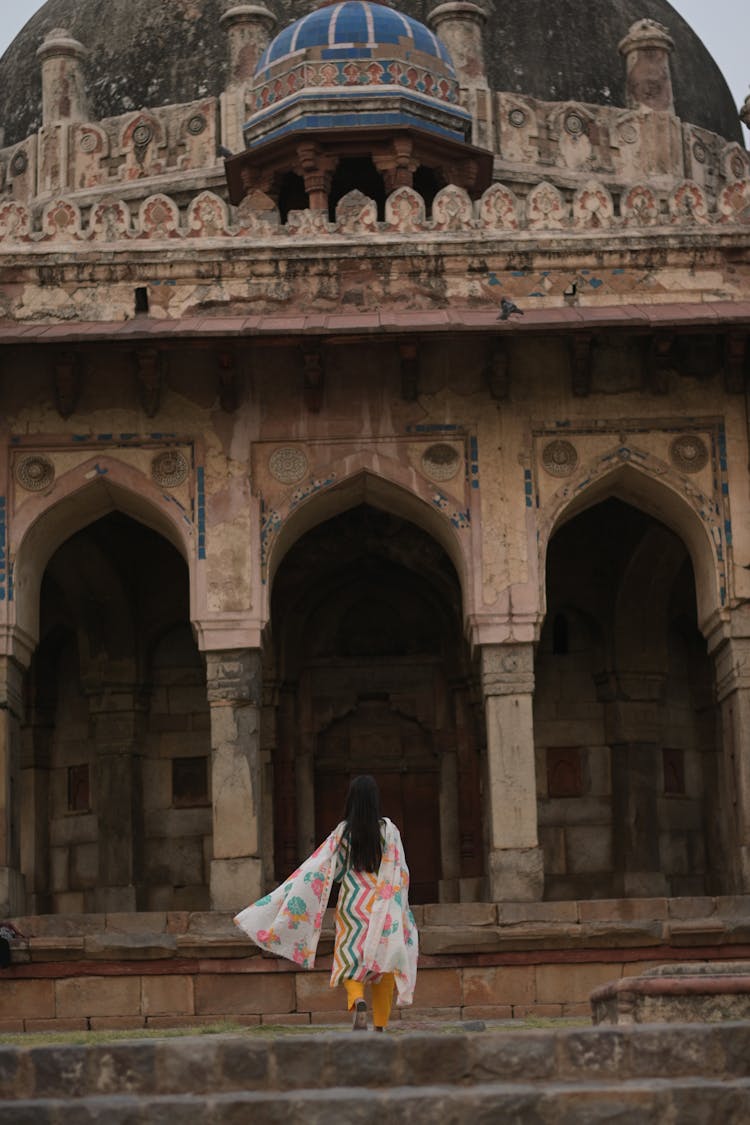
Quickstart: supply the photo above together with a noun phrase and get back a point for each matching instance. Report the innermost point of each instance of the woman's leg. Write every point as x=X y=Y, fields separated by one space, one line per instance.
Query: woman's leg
x=382 y=1001
x=355 y=999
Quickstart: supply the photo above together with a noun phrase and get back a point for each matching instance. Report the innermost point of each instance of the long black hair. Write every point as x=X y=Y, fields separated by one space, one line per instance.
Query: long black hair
x=362 y=817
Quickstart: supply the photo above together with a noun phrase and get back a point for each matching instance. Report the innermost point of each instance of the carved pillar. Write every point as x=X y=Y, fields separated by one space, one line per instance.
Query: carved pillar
x=732 y=663
x=63 y=85
x=646 y=49
x=249 y=28
x=118 y=722
x=460 y=24
x=12 y=886
x=64 y=101
x=515 y=865
x=234 y=694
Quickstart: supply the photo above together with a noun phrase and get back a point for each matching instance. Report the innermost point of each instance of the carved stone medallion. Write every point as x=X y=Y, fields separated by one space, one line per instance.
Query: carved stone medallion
x=559 y=458
x=197 y=125
x=441 y=462
x=688 y=453
x=288 y=465
x=517 y=118
x=19 y=163
x=170 y=469
x=35 y=472
x=142 y=135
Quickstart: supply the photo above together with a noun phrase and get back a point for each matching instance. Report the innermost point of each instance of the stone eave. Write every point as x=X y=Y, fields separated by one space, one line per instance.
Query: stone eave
x=386 y=323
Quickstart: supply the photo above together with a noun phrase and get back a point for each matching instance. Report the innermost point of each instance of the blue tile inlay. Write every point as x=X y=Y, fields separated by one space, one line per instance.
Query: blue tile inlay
x=201 y=513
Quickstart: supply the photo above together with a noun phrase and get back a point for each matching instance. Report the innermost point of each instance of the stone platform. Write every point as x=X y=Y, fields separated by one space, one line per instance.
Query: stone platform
x=633 y=1076
x=478 y=961
x=691 y=992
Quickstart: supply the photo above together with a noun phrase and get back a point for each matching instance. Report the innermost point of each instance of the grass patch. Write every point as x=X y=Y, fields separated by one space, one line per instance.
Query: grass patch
x=271 y=1031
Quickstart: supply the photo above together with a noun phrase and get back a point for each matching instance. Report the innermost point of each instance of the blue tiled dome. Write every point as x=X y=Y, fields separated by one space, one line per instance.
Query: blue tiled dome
x=355 y=29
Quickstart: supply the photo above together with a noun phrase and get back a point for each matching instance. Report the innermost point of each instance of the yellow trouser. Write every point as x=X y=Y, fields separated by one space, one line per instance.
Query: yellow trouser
x=382 y=997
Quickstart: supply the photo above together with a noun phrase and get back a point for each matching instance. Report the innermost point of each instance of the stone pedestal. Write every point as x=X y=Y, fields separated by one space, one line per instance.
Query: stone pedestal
x=646 y=49
x=12 y=886
x=35 y=781
x=515 y=866
x=234 y=693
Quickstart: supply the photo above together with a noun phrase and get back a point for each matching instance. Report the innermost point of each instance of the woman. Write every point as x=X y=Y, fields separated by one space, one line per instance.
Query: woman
x=376 y=938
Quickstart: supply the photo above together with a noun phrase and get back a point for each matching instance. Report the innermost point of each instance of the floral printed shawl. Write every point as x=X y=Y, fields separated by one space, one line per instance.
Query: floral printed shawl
x=288 y=921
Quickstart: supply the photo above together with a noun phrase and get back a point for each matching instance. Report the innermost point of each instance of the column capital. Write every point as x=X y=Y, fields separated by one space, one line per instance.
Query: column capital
x=234 y=676
x=507 y=669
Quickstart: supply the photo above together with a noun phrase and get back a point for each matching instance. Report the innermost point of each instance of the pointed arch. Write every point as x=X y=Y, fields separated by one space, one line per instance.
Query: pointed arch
x=79 y=498
x=387 y=486
x=694 y=518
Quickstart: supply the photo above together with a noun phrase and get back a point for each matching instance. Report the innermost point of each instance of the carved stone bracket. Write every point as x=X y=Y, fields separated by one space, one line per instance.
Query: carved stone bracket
x=314 y=386
x=497 y=371
x=580 y=363
x=228 y=382
x=409 y=355
x=661 y=363
x=736 y=360
x=316 y=169
x=149 y=373
x=67 y=378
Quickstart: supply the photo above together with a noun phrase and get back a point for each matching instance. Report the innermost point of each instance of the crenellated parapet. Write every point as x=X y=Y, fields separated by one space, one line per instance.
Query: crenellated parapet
x=544 y=209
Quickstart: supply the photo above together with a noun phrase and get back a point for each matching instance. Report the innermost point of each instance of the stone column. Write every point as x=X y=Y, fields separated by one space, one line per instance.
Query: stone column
x=249 y=28
x=634 y=732
x=118 y=720
x=234 y=693
x=732 y=662
x=646 y=49
x=460 y=23
x=12 y=886
x=35 y=779
x=515 y=864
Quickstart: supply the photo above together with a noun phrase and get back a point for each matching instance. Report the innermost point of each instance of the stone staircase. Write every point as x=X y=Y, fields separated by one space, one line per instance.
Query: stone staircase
x=678 y=1074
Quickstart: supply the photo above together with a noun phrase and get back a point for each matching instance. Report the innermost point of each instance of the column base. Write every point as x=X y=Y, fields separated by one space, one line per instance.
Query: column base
x=516 y=875
x=12 y=893
x=235 y=883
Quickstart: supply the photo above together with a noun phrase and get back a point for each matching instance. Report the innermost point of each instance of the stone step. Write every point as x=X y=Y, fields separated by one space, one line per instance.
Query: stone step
x=225 y=1064
x=641 y=1102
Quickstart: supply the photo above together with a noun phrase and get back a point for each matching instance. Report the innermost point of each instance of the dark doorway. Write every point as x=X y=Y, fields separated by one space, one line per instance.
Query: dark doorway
x=373 y=677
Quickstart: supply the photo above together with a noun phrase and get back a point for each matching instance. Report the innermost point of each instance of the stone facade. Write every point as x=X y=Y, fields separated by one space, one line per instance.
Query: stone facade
x=285 y=500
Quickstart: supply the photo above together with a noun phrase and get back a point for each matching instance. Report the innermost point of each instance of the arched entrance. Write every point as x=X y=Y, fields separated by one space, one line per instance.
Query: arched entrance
x=115 y=782
x=371 y=674
x=625 y=719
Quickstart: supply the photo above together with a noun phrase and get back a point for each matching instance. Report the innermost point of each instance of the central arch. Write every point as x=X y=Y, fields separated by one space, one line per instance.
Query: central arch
x=370 y=674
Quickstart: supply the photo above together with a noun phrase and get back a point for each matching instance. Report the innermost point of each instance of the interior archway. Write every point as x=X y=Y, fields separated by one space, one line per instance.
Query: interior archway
x=625 y=716
x=371 y=675
x=116 y=730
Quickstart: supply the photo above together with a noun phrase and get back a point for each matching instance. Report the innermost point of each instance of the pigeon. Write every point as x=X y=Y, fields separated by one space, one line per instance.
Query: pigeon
x=507 y=308
x=225 y=152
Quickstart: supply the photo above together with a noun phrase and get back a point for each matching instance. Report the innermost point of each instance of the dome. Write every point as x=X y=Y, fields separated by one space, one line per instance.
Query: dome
x=143 y=53
x=355 y=27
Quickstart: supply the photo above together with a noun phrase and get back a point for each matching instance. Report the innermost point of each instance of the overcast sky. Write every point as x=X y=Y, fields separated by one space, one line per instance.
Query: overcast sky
x=723 y=25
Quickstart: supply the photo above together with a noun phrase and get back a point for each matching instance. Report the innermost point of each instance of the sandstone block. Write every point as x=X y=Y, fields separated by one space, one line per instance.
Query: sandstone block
x=460 y=914
x=438 y=988
x=27 y=999
x=314 y=993
x=503 y=984
x=98 y=996
x=526 y=1058
x=167 y=995
x=623 y=909
x=151 y=922
x=565 y=984
x=244 y=994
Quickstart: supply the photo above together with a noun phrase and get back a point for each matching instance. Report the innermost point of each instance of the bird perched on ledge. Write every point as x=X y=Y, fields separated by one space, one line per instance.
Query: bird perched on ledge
x=507 y=308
